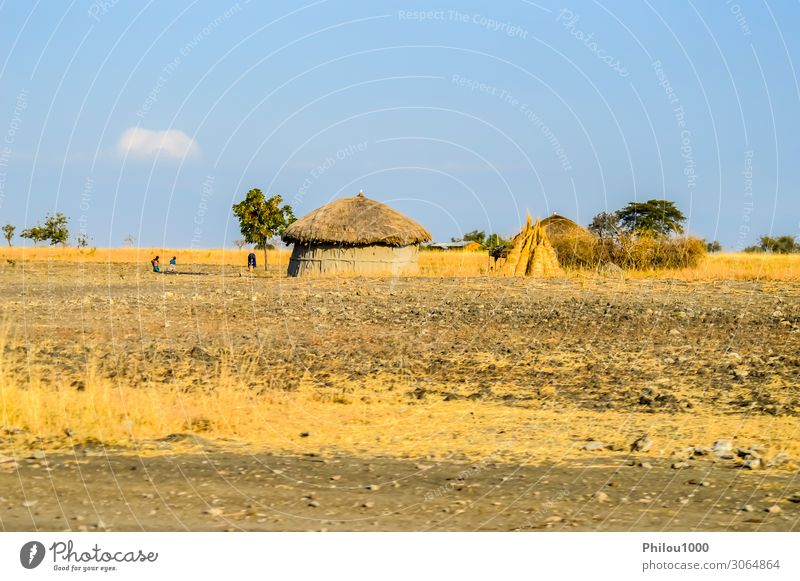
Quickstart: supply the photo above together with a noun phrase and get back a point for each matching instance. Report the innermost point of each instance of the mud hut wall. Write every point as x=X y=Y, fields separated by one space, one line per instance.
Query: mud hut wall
x=329 y=259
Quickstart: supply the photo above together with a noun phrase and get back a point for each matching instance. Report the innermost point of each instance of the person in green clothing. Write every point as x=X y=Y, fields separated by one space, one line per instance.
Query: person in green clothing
x=154 y=263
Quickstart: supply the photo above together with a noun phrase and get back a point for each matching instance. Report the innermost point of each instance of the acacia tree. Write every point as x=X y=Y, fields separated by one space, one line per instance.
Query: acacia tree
x=8 y=232
x=653 y=217
x=36 y=234
x=605 y=225
x=56 y=230
x=260 y=219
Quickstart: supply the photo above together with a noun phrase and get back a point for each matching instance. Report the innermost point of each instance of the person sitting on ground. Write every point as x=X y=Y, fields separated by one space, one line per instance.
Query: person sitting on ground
x=154 y=263
x=251 y=261
x=172 y=264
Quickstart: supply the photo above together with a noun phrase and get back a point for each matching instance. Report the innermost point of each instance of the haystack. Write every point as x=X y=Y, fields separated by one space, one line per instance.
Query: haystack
x=354 y=235
x=530 y=253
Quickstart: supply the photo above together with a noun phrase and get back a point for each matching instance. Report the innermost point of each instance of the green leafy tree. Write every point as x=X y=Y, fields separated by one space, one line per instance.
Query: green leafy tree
x=780 y=245
x=8 y=232
x=713 y=246
x=36 y=234
x=82 y=240
x=605 y=225
x=261 y=219
x=56 y=230
x=653 y=217
x=494 y=241
x=478 y=236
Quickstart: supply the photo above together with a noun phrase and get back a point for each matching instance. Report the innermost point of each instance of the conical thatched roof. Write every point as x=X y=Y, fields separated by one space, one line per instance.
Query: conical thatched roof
x=557 y=225
x=356 y=221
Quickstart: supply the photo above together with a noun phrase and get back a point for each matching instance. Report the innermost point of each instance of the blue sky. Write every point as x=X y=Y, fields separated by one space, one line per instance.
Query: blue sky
x=152 y=119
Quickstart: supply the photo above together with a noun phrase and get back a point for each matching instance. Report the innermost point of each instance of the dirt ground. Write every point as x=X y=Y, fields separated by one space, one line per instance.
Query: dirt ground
x=525 y=397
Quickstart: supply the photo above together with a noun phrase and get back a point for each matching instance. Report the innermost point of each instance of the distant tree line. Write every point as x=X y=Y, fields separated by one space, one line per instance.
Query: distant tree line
x=780 y=245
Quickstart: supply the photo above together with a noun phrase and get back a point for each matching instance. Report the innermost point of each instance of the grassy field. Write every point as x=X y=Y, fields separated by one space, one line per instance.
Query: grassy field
x=722 y=266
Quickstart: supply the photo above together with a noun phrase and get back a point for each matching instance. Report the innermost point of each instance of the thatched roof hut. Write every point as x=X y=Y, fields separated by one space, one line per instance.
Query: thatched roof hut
x=354 y=236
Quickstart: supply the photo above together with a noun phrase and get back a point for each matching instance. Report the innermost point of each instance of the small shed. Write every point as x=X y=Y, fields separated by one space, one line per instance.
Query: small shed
x=354 y=235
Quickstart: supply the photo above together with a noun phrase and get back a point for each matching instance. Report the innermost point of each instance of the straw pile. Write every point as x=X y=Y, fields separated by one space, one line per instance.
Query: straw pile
x=530 y=253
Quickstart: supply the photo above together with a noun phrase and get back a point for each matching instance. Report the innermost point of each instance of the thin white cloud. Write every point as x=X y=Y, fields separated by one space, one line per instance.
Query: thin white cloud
x=149 y=143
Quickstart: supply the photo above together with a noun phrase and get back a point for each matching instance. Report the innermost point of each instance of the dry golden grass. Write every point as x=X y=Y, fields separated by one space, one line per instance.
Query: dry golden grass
x=215 y=256
x=356 y=419
x=733 y=266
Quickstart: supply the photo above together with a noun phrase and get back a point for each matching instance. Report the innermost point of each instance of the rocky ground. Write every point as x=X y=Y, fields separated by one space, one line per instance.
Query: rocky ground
x=96 y=490
x=700 y=352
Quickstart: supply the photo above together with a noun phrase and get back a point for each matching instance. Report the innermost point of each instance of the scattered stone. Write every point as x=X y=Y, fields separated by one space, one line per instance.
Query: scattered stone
x=336 y=477
x=373 y=487
x=642 y=444
x=37 y=455
x=679 y=465
x=646 y=465
x=601 y=496
x=594 y=445
x=794 y=497
x=368 y=504
x=697 y=482
x=29 y=503
x=774 y=509
x=216 y=511
x=553 y=519
x=305 y=434
x=723 y=449
x=748 y=508
x=752 y=464
x=313 y=504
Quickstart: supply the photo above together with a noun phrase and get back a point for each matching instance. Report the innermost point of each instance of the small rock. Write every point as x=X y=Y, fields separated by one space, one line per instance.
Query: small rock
x=368 y=504
x=748 y=508
x=29 y=503
x=774 y=509
x=593 y=446
x=646 y=465
x=696 y=482
x=336 y=477
x=373 y=487
x=313 y=504
x=601 y=497
x=679 y=465
x=752 y=464
x=37 y=455
x=305 y=434
x=216 y=511
x=553 y=519
x=642 y=444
